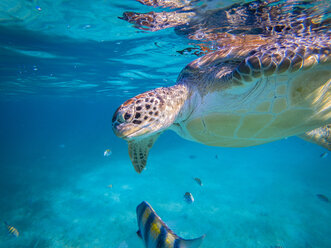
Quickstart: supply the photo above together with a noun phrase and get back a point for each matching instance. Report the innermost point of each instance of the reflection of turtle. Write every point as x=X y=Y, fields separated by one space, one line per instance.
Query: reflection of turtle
x=253 y=91
x=203 y=23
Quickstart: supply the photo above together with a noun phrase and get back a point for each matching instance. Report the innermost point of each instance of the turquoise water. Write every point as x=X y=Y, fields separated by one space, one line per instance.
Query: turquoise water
x=65 y=67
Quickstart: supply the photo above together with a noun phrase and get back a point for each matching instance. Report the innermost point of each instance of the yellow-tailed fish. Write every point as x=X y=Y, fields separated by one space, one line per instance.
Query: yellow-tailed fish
x=12 y=230
x=156 y=234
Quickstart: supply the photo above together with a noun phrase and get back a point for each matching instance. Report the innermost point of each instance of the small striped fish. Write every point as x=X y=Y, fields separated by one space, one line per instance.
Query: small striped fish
x=12 y=230
x=156 y=234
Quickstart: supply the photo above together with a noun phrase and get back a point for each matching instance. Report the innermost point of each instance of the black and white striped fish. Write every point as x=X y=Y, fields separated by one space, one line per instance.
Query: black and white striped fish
x=156 y=234
x=12 y=230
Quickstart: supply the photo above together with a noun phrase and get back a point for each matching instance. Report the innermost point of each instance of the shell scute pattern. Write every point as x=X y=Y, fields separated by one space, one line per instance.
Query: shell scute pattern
x=277 y=58
x=296 y=63
x=244 y=68
x=266 y=60
x=254 y=62
x=236 y=75
x=284 y=65
x=256 y=74
x=270 y=69
x=301 y=51
x=309 y=62
x=281 y=58
x=289 y=54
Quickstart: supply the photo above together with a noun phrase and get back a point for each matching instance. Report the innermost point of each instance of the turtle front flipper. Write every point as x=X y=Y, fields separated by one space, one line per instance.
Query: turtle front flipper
x=139 y=149
x=320 y=136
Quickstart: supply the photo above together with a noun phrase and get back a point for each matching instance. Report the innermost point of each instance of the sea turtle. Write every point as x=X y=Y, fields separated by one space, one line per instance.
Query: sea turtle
x=252 y=91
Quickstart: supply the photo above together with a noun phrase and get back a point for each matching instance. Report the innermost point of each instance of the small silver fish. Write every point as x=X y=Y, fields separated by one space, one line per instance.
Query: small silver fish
x=324 y=155
x=107 y=153
x=188 y=197
x=12 y=230
x=198 y=180
x=156 y=234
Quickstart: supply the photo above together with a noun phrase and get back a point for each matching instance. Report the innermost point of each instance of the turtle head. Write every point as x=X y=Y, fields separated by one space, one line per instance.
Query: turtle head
x=139 y=116
x=141 y=119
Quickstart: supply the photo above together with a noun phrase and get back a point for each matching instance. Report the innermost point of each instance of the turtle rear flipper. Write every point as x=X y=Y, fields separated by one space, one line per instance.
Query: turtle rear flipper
x=320 y=136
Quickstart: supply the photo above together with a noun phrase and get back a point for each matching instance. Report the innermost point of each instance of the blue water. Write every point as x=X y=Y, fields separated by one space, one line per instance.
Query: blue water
x=65 y=66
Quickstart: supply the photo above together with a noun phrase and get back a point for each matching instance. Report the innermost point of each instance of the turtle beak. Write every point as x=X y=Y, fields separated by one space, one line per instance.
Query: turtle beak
x=127 y=131
x=119 y=125
x=116 y=123
x=123 y=130
x=117 y=130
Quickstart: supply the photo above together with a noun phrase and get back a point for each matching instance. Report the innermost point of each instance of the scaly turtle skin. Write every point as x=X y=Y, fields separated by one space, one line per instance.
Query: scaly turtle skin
x=246 y=93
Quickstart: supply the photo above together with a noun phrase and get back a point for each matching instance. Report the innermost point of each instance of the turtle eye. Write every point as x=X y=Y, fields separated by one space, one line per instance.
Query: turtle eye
x=127 y=116
x=120 y=118
x=124 y=116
